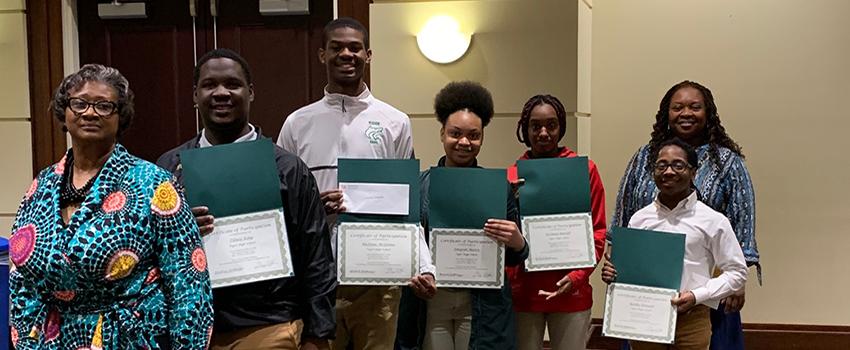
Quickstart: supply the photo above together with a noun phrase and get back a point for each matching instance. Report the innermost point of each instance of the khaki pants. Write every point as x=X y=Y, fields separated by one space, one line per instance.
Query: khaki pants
x=281 y=336
x=449 y=321
x=693 y=332
x=366 y=317
x=567 y=330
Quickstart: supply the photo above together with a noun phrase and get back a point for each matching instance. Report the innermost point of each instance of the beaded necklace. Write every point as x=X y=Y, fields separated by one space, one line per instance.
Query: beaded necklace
x=70 y=194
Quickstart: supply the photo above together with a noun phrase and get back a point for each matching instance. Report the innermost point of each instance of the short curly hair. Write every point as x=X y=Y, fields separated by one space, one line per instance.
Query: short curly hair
x=344 y=22
x=690 y=152
x=464 y=95
x=221 y=53
x=96 y=73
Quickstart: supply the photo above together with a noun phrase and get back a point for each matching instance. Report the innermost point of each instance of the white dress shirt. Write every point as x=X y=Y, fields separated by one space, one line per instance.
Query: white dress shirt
x=709 y=243
x=250 y=136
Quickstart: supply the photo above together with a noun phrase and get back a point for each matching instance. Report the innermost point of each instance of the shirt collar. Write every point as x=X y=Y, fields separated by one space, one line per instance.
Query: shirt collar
x=686 y=204
x=335 y=99
x=250 y=136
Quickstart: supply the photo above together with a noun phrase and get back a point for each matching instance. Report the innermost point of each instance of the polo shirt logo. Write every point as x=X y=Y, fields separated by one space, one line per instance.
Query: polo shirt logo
x=375 y=132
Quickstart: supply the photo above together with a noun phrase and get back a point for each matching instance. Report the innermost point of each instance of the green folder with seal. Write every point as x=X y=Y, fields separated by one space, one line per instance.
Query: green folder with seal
x=649 y=272
x=461 y=200
x=556 y=214
x=239 y=184
x=378 y=236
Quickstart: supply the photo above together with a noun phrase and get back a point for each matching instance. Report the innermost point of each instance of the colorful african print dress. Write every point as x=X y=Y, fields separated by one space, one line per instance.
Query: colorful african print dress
x=127 y=272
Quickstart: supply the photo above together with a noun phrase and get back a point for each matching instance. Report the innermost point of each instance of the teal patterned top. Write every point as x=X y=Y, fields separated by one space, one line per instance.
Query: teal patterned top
x=128 y=271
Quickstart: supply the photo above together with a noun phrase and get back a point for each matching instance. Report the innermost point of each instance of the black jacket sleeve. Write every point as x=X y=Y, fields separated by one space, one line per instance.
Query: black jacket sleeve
x=512 y=257
x=316 y=263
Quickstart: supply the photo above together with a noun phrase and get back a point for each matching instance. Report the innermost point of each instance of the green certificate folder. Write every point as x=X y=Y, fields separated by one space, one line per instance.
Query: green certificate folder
x=232 y=179
x=648 y=258
x=466 y=197
x=382 y=171
x=554 y=186
x=240 y=185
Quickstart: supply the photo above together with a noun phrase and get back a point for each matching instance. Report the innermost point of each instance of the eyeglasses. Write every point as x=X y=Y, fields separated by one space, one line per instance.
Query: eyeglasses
x=677 y=166
x=101 y=108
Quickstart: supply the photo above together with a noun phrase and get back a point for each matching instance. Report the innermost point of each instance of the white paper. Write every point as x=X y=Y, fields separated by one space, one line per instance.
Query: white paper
x=377 y=254
x=248 y=248
x=467 y=258
x=560 y=241
x=375 y=198
x=639 y=313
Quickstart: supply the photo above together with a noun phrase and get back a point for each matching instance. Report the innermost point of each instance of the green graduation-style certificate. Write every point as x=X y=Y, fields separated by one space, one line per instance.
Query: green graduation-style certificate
x=639 y=313
x=239 y=184
x=555 y=211
x=649 y=271
x=377 y=253
x=378 y=235
x=466 y=258
x=461 y=200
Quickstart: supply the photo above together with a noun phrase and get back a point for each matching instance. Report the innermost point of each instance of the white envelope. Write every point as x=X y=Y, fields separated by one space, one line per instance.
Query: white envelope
x=375 y=198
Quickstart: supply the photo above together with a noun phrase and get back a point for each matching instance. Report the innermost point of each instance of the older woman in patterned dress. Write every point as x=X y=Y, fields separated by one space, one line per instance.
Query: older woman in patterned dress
x=105 y=252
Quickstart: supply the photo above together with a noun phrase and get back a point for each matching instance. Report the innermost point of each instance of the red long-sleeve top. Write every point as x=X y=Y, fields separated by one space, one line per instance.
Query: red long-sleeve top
x=525 y=285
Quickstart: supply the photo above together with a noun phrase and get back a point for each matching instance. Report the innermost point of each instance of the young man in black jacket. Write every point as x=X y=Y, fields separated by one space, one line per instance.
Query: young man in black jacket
x=283 y=313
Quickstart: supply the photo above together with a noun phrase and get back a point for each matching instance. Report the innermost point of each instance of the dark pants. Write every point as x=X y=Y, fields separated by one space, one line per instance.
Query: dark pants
x=411 y=321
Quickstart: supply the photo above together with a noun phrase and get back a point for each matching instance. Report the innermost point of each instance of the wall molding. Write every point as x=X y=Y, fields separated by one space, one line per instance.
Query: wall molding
x=761 y=336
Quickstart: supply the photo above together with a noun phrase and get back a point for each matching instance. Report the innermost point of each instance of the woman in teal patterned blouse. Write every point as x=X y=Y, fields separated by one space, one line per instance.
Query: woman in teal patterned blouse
x=688 y=111
x=105 y=252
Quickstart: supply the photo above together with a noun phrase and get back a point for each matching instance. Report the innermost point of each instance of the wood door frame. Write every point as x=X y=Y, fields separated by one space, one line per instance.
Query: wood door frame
x=46 y=69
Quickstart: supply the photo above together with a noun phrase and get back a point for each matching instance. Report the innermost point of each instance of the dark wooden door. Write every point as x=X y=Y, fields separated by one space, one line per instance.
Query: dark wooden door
x=282 y=52
x=157 y=55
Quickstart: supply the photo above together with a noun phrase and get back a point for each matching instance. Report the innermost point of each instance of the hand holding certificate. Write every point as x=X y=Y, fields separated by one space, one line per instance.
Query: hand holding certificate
x=461 y=202
x=639 y=313
x=649 y=270
x=555 y=211
x=378 y=237
x=239 y=184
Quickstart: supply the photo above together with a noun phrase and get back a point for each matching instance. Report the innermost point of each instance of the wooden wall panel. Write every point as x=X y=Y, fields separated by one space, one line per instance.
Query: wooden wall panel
x=44 y=44
x=761 y=337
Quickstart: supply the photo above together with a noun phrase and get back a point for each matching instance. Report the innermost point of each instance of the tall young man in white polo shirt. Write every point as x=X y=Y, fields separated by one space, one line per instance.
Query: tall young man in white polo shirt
x=351 y=123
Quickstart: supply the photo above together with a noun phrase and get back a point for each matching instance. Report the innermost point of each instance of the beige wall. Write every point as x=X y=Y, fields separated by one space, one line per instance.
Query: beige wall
x=15 y=139
x=779 y=71
x=519 y=49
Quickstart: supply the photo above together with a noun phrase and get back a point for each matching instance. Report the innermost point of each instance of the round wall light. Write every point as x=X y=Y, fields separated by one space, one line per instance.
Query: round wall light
x=441 y=40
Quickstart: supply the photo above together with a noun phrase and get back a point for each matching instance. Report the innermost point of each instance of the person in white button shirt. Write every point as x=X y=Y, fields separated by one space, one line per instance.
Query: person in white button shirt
x=351 y=123
x=710 y=243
